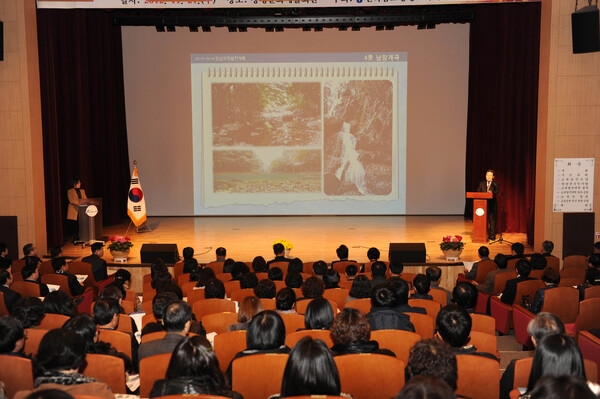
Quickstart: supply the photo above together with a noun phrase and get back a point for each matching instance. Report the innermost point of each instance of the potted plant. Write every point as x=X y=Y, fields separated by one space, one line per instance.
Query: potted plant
x=452 y=246
x=119 y=247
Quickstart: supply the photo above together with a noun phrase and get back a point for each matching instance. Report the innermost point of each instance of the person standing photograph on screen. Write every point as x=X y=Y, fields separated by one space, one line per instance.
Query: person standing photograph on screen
x=490 y=186
x=75 y=194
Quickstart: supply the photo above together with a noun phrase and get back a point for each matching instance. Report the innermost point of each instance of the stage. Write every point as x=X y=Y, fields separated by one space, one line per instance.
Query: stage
x=314 y=238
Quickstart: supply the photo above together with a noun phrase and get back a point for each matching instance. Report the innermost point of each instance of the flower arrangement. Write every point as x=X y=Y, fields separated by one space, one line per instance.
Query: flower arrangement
x=120 y=243
x=286 y=244
x=450 y=243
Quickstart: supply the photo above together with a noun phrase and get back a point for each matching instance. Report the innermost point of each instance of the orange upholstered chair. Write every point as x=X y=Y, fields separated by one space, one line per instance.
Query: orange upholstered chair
x=483 y=268
x=573 y=261
x=478 y=377
x=292 y=321
x=32 y=343
x=589 y=345
x=337 y=295
x=363 y=304
x=398 y=341
x=16 y=373
x=424 y=324
x=52 y=321
x=485 y=342
x=592 y=292
x=227 y=344
x=523 y=369
x=152 y=368
x=483 y=323
x=120 y=340
x=359 y=379
x=194 y=296
x=219 y=322
x=502 y=313
x=431 y=307
x=239 y=295
x=574 y=272
x=26 y=289
x=302 y=305
x=214 y=305
x=153 y=336
x=3 y=308
x=16 y=267
x=292 y=338
x=258 y=376
x=340 y=267
x=587 y=318
x=108 y=369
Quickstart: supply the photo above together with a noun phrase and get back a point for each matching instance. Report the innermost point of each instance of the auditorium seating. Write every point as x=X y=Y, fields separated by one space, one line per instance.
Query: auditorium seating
x=478 y=377
x=370 y=376
x=258 y=376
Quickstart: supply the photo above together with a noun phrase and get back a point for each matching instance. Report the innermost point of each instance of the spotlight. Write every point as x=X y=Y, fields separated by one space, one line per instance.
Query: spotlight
x=379 y=27
x=430 y=26
x=206 y=29
x=355 y=28
x=269 y=29
x=193 y=29
x=231 y=28
x=389 y=27
x=318 y=28
x=421 y=26
x=306 y=28
x=343 y=27
x=279 y=29
x=160 y=28
x=170 y=28
x=243 y=29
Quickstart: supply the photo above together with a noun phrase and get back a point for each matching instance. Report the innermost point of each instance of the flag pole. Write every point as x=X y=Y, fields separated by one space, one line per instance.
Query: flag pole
x=136 y=203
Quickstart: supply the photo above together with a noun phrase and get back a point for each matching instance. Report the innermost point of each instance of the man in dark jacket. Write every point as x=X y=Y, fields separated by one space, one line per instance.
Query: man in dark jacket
x=383 y=315
x=523 y=268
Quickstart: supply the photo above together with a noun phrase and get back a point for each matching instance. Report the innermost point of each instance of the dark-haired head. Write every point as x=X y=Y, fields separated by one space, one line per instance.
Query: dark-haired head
x=293 y=280
x=361 y=287
x=319 y=315
x=435 y=358
x=319 y=268
x=425 y=387
x=83 y=325
x=265 y=331
x=313 y=287
x=60 y=350
x=331 y=278
x=30 y=310
x=383 y=296
x=275 y=274
x=350 y=326
x=285 y=299
x=214 y=288
x=259 y=265
x=178 y=317
x=310 y=370
x=265 y=289
x=373 y=254
x=453 y=324
x=58 y=302
x=562 y=387
x=465 y=295
x=12 y=335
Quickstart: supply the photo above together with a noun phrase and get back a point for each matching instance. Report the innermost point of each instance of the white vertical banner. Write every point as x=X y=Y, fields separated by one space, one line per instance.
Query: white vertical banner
x=573 y=185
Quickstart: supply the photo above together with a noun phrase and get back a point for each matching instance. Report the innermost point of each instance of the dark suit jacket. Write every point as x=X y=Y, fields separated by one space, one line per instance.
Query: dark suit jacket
x=510 y=290
x=158 y=346
x=74 y=286
x=10 y=297
x=495 y=189
x=98 y=266
x=278 y=259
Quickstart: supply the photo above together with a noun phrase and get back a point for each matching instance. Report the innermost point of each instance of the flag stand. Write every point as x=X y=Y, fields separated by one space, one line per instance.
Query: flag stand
x=144 y=228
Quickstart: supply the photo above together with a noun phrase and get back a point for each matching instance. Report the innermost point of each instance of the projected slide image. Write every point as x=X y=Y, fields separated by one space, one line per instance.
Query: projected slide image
x=267 y=171
x=266 y=114
x=358 y=137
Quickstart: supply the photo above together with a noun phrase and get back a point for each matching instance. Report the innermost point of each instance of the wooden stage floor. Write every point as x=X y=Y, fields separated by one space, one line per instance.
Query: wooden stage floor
x=313 y=237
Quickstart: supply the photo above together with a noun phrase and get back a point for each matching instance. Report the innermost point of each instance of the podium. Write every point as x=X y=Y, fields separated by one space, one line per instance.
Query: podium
x=480 y=214
x=90 y=221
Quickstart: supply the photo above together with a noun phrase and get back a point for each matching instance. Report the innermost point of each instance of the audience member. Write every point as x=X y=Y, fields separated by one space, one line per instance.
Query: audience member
x=279 y=251
x=106 y=316
x=396 y=269
x=275 y=274
x=29 y=249
x=378 y=270
x=351 y=333
x=517 y=250
x=60 y=355
x=422 y=286
x=400 y=289
x=265 y=334
x=214 y=288
x=551 y=278
x=190 y=263
x=61 y=266
x=202 y=276
x=248 y=308
x=561 y=387
x=432 y=358
x=5 y=261
x=522 y=268
x=538 y=261
x=193 y=370
x=313 y=287
x=221 y=254
x=319 y=268
x=373 y=254
x=331 y=278
x=228 y=265
x=265 y=289
x=453 y=325
x=435 y=275
x=293 y=280
x=177 y=319
x=547 y=248
x=30 y=311
x=465 y=295
x=424 y=387
x=259 y=265
x=285 y=300
x=10 y=297
x=596 y=248
x=248 y=280
x=99 y=269
x=295 y=265
x=543 y=324
x=361 y=288
x=159 y=304
x=592 y=278
x=383 y=315
x=12 y=337
x=351 y=272
x=484 y=254
x=342 y=253
x=310 y=370
x=501 y=267
x=58 y=302
x=31 y=274
x=238 y=270
x=319 y=315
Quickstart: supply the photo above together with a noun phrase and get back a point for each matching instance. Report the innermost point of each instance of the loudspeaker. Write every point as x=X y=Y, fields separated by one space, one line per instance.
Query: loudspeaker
x=168 y=252
x=585 y=24
x=407 y=252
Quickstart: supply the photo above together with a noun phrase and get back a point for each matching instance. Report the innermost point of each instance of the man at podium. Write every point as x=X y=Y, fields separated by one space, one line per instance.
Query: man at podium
x=75 y=194
x=490 y=186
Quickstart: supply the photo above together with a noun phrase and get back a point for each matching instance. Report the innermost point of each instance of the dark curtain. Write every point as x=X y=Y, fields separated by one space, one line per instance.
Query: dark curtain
x=83 y=113
x=502 y=110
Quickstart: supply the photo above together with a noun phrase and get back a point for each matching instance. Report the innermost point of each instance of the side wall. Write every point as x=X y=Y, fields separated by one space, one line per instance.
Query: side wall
x=568 y=116
x=21 y=155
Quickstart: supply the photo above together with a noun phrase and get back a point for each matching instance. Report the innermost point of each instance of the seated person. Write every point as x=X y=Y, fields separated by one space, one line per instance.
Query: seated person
x=465 y=295
x=378 y=271
x=523 y=268
x=538 y=262
x=193 y=370
x=342 y=253
x=106 y=317
x=259 y=265
x=373 y=254
x=453 y=325
x=190 y=263
x=361 y=288
x=592 y=278
x=435 y=275
x=31 y=274
x=30 y=311
x=275 y=274
x=295 y=265
x=159 y=304
x=424 y=387
x=331 y=278
x=484 y=254
x=11 y=297
x=214 y=289
x=351 y=333
x=279 y=251
x=265 y=289
x=383 y=314
x=400 y=289
x=351 y=272
x=319 y=268
x=551 y=278
x=319 y=315
x=60 y=355
x=293 y=280
x=58 y=302
x=501 y=262
x=285 y=300
x=432 y=358
x=238 y=270
x=249 y=307
x=422 y=286
x=248 y=280
x=61 y=266
x=12 y=337
x=313 y=287
x=265 y=334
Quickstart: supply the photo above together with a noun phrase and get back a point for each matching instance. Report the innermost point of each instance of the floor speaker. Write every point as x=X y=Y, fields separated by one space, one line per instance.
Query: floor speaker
x=585 y=24
x=167 y=252
x=407 y=252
